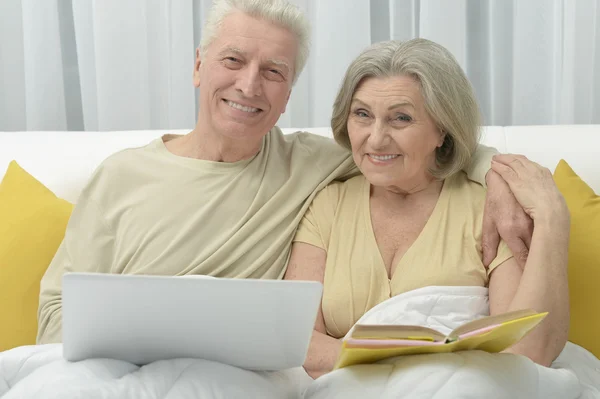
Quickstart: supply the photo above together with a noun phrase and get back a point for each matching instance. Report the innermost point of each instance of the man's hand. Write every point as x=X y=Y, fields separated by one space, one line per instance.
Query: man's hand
x=504 y=217
x=533 y=186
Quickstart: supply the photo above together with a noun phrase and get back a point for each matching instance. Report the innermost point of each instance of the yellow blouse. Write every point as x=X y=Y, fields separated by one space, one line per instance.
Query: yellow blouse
x=446 y=252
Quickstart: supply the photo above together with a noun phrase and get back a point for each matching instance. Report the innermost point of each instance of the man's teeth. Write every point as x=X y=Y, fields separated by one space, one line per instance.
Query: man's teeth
x=383 y=157
x=241 y=107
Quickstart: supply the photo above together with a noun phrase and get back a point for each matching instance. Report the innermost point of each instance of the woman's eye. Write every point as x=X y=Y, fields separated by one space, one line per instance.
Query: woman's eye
x=361 y=113
x=403 y=118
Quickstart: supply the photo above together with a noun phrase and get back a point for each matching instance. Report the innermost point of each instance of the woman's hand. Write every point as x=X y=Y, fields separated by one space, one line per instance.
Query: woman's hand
x=533 y=186
x=504 y=217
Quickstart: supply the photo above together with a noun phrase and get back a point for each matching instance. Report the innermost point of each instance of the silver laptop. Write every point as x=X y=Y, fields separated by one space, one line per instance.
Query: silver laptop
x=253 y=324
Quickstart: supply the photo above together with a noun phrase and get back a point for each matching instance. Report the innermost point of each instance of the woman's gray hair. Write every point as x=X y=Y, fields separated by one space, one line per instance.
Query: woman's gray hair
x=277 y=12
x=449 y=97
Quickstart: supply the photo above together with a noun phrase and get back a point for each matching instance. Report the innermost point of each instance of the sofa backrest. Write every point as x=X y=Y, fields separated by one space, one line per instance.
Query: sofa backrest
x=64 y=161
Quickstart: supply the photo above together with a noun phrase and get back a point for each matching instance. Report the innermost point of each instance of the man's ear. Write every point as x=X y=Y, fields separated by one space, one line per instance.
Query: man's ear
x=196 y=74
x=286 y=101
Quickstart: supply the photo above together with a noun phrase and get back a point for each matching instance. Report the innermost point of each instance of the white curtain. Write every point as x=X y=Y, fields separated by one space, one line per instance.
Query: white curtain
x=127 y=64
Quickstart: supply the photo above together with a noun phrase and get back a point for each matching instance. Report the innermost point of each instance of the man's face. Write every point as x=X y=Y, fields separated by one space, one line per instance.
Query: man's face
x=246 y=76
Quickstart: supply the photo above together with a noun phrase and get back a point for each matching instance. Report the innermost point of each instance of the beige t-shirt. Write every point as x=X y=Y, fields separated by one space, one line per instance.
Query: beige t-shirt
x=447 y=251
x=148 y=211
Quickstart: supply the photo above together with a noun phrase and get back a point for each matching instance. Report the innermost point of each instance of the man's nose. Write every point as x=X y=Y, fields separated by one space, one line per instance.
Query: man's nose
x=249 y=82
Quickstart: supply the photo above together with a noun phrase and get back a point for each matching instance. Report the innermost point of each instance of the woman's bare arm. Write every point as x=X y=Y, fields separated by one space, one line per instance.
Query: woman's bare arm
x=307 y=262
x=542 y=283
x=543 y=286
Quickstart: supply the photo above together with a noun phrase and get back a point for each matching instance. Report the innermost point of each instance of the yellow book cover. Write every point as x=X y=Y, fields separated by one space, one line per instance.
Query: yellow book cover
x=371 y=343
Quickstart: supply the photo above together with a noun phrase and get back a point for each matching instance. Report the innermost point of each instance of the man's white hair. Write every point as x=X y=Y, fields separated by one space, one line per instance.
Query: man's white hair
x=277 y=12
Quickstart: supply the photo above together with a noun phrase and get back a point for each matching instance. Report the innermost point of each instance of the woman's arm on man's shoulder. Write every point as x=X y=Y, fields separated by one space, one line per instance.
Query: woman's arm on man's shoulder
x=542 y=284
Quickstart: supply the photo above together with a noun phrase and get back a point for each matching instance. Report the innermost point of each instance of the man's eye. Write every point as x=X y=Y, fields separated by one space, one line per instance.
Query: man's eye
x=275 y=74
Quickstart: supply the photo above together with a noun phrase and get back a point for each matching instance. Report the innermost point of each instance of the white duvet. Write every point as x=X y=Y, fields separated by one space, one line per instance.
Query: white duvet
x=40 y=371
x=465 y=375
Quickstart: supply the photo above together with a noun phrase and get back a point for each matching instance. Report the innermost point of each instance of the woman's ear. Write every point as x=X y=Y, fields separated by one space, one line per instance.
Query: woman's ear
x=442 y=138
x=196 y=73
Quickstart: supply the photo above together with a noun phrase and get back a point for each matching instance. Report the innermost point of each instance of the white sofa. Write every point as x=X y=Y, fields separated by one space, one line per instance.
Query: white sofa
x=63 y=161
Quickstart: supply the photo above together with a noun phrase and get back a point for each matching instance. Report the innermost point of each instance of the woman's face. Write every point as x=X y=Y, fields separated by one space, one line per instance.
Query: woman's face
x=393 y=137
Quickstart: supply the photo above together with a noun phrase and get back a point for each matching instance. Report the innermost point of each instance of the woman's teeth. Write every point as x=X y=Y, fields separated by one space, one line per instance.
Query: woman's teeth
x=383 y=157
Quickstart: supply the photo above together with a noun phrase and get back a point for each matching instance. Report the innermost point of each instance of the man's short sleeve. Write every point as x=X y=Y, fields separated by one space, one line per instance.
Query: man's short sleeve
x=87 y=247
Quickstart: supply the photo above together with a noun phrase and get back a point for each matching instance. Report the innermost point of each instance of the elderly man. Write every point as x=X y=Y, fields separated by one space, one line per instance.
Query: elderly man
x=225 y=199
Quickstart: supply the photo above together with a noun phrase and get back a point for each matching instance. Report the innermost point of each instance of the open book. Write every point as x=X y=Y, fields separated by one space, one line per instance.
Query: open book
x=371 y=343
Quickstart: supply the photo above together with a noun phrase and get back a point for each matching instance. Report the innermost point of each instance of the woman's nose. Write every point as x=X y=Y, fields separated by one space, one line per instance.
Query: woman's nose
x=379 y=137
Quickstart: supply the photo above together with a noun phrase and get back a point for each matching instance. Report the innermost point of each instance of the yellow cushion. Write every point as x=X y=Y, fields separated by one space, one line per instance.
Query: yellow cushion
x=32 y=225
x=584 y=257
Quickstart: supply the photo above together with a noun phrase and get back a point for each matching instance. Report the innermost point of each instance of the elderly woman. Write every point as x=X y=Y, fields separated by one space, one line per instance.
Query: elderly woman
x=412 y=219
